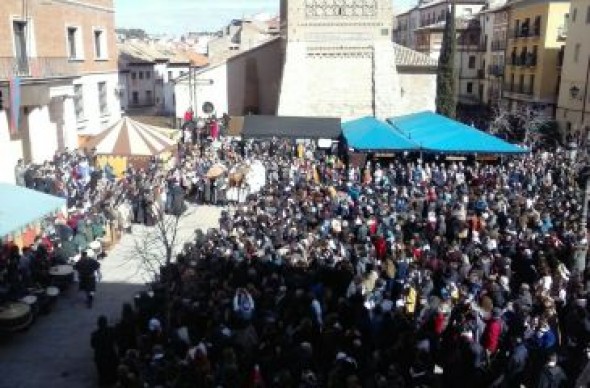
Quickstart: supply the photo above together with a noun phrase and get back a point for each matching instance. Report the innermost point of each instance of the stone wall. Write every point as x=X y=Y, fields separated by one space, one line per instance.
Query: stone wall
x=327 y=82
x=417 y=87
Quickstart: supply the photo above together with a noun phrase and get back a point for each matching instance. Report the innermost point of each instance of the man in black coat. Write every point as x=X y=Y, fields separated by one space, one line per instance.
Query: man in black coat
x=88 y=268
x=105 y=354
x=552 y=376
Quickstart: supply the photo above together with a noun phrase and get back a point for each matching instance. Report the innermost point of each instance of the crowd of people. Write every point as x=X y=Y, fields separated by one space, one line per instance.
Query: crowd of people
x=403 y=273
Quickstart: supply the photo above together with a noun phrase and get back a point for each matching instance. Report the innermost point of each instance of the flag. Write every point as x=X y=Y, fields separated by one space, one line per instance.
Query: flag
x=15 y=100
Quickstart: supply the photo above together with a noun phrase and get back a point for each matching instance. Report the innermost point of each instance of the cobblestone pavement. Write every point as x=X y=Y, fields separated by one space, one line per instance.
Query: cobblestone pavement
x=55 y=351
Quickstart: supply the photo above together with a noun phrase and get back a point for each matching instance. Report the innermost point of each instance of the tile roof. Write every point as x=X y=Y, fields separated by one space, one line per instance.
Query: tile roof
x=405 y=56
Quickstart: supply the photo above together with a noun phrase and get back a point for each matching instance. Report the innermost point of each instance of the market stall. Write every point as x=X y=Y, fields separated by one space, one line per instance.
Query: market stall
x=23 y=210
x=130 y=143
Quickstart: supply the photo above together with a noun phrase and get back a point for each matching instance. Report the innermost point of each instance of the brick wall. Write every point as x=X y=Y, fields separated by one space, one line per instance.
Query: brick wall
x=47 y=30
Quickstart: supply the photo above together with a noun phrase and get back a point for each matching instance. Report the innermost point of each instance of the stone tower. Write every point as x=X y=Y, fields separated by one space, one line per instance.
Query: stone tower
x=339 y=59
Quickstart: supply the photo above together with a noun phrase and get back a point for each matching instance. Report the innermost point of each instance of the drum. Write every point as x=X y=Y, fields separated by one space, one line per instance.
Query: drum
x=33 y=303
x=96 y=247
x=15 y=316
x=62 y=276
x=51 y=294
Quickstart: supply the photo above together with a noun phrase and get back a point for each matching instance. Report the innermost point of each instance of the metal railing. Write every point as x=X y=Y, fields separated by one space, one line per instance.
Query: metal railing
x=39 y=67
x=498 y=46
x=496 y=70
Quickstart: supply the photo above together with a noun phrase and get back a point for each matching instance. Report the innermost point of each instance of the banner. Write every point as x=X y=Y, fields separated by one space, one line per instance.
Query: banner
x=15 y=99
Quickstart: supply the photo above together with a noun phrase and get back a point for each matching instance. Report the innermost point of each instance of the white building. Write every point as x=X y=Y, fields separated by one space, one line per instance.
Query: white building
x=254 y=81
x=147 y=72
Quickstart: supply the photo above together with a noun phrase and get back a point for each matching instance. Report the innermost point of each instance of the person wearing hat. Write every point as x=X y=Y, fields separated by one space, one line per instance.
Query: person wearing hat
x=88 y=269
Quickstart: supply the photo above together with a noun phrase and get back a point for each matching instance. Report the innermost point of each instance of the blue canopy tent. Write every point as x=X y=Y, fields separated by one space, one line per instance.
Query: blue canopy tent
x=368 y=134
x=20 y=207
x=436 y=133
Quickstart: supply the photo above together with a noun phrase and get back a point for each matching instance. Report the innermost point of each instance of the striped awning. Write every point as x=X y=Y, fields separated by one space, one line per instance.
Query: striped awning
x=131 y=138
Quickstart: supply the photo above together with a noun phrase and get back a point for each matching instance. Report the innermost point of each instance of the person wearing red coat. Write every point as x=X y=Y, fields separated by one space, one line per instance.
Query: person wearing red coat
x=189 y=115
x=380 y=247
x=492 y=332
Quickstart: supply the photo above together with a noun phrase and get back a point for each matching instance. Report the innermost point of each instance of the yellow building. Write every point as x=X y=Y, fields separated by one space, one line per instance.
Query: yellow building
x=532 y=72
x=573 y=110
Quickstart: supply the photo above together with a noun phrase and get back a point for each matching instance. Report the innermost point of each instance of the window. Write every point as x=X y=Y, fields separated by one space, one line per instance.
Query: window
x=141 y=75
x=170 y=75
x=148 y=96
x=102 y=98
x=384 y=31
x=73 y=42
x=469 y=87
x=574 y=15
x=79 y=102
x=521 y=83
x=472 y=61
x=133 y=75
x=588 y=15
x=148 y=74
x=1 y=100
x=99 y=44
x=135 y=98
x=531 y=83
x=20 y=46
x=577 y=52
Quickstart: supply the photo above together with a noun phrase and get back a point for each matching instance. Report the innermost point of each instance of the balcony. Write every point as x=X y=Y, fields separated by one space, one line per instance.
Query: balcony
x=498 y=46
x=469 y=99
x=562 y=32
x=530 y=60
x=40 y=67
x=496 y=70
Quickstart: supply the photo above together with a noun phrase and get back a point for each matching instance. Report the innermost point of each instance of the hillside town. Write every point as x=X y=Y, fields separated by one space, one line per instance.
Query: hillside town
x=296 y=193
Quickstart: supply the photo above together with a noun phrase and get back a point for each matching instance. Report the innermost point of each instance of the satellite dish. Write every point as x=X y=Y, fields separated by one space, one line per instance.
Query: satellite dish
x=208 y=107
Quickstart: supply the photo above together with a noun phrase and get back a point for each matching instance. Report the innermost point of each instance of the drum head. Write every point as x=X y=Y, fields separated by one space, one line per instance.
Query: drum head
x=29 y=299
x=61 y=270
x=52 y=291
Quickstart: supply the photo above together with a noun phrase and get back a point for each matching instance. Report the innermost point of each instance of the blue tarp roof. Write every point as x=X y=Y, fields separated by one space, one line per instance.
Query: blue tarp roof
x=370 y=134
x=20 y=207
x=433 y=132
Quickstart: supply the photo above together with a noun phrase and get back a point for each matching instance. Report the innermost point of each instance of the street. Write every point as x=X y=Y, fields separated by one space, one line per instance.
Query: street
x=55 y=351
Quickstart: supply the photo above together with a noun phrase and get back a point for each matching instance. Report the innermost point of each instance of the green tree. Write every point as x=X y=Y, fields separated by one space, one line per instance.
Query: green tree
x=445 y=80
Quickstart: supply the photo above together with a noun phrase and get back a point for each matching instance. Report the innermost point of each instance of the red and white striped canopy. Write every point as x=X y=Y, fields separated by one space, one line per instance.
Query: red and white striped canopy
x=131 y=138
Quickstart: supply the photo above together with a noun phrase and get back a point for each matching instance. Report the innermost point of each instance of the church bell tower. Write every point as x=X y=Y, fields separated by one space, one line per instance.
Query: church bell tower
x=338 y=59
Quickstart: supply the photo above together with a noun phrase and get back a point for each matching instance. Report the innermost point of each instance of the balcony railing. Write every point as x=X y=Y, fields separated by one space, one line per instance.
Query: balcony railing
x=519 y=89
x=498 y=46
x=496 y=70
x=40 y=67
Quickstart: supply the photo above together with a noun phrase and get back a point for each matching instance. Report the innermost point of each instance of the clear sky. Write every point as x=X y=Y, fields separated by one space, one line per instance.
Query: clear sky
x=179 y=16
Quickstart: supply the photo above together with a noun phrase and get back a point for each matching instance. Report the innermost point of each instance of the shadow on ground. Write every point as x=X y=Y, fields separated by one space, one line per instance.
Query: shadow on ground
x=55 y=351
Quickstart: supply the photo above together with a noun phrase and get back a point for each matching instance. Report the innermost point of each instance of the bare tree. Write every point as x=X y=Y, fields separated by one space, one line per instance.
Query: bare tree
x=155 y=247
x=524 y=123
